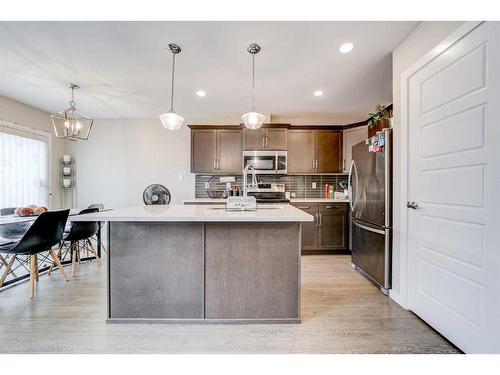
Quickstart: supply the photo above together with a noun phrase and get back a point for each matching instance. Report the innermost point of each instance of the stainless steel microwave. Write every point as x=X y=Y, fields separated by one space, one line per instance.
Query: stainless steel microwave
x=266 y=162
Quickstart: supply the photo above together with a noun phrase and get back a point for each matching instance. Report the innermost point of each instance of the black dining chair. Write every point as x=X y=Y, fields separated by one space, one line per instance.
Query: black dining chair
x=78 y=237
x=46 y=231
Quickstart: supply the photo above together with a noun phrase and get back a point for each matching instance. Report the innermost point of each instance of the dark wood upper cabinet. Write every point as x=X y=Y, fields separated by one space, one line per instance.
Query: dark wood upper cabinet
x=301 y=151
x=277 y=139
x=328 y=151
x=265 y=139
x=203 y=150
x=229 y=151
x=254 y=139
x=314 y=151
x=216 y=151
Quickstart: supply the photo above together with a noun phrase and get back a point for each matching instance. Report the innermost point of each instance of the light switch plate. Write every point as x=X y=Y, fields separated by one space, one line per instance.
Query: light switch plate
x=313 y=185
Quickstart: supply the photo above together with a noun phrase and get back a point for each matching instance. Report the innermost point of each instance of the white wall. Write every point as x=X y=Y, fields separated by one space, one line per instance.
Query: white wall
x=31 y=117
x=425 y=37
x=122 y=157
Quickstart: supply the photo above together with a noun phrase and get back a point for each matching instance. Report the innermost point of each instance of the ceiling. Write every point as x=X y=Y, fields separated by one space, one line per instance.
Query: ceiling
x=123 y=68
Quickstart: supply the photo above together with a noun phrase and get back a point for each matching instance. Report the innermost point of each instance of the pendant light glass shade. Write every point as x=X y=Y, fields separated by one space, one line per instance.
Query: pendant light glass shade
x=70 y=123
x=171 y=120
x=253 y=120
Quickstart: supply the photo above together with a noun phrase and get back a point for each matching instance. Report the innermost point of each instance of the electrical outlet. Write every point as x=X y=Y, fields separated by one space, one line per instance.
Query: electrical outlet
x=207 y=185
x=313 y=185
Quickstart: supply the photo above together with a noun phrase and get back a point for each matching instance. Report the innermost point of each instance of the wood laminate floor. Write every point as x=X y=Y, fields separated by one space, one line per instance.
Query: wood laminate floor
x=342 y=313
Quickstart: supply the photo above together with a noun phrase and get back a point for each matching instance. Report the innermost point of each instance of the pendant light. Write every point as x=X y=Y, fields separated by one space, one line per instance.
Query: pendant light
x=171 y=120
x=253 y=120
x=70 y=123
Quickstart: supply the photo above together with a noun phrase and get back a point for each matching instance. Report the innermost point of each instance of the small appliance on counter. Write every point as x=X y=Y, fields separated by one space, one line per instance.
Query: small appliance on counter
x=268 y=193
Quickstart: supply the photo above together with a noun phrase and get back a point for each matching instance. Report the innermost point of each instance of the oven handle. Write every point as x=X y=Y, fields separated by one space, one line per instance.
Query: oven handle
x=369 y=229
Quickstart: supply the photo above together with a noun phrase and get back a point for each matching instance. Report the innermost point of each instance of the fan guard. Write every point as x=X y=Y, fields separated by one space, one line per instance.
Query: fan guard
x=156 y=194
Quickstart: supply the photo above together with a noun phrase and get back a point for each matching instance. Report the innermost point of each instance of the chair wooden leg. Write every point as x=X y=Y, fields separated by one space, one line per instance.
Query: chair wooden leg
x=78 y=251
x=32 y=275
x=5 y=263
x=37 y=274
x=8 y=267
x=93 y=250
x=58 y=263
x=73 y=260
x=59 y=251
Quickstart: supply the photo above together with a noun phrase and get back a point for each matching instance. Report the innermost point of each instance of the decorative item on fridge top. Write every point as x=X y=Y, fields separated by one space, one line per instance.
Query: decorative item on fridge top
x=380 y=119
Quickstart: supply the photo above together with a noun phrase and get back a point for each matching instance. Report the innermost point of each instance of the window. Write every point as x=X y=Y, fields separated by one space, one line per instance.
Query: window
x=24 y=167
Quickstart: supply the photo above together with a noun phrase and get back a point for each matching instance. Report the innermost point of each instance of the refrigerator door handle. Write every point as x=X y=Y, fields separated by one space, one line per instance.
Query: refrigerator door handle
x=352 y=203
x=369 y=229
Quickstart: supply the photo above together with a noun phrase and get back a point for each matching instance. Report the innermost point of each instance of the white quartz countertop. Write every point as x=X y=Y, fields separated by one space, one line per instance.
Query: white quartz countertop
x=199 y=213
x=292 y=200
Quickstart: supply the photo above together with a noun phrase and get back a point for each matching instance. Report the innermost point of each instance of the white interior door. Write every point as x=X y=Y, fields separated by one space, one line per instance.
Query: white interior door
x=454 y=177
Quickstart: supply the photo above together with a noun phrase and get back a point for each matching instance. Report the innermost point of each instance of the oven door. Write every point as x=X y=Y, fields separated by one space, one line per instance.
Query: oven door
x=263 y=162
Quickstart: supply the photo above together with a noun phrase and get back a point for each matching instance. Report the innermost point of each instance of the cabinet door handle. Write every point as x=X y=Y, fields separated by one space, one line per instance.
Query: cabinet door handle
x=266 y=141
x=304 y=207
x=332 y=207
x=215 y=164
x=263 y=142
x=317 y=163
x=319 y=221
x=314 y=165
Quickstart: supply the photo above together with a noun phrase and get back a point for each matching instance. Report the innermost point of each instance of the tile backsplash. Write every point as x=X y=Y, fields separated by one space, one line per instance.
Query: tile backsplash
x=301 y=185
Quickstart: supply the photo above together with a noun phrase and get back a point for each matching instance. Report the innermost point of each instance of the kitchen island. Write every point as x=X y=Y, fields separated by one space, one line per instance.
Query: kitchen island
x=203 y=264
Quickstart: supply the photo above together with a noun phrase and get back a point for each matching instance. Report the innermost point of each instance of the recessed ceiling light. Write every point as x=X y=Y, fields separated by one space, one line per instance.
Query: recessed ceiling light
x=201 y=93
x=318 y=93
x=346 y=47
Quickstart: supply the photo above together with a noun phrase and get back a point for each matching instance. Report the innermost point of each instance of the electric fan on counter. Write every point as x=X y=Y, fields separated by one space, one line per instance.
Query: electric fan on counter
x=156 y=194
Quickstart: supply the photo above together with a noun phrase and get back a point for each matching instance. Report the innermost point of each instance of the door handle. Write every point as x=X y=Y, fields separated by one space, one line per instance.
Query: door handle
x=412 y=205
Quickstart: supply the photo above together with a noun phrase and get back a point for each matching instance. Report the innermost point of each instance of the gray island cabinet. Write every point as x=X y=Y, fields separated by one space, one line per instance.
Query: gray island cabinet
x=203 y=264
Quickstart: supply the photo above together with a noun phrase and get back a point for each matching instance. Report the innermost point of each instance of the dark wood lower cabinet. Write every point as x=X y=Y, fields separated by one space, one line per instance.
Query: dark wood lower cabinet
x=328 y=233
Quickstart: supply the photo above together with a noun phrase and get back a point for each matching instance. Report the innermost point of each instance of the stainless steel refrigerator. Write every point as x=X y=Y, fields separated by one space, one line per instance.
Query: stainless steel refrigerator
x=370 y=196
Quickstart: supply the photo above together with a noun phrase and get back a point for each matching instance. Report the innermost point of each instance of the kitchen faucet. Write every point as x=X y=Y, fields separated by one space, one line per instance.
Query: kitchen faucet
x=245 y=177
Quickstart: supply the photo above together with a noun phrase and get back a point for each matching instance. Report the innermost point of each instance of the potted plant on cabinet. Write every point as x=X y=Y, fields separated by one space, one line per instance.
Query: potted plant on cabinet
x=380 y=119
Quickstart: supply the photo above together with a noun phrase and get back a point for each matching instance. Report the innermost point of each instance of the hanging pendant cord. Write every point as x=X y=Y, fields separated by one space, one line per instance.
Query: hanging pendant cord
x=72 y=101
x=172 y=91
x=253 y=82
